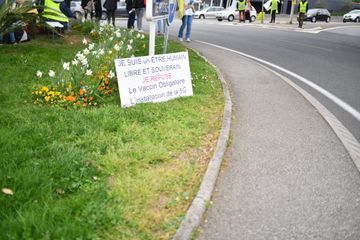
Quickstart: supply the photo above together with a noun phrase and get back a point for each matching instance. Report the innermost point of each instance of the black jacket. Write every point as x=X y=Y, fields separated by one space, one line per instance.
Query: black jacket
x=138 y=4
x=110 y=5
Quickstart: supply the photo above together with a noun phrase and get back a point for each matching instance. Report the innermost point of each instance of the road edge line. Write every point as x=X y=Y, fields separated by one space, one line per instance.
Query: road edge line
x=197 y=208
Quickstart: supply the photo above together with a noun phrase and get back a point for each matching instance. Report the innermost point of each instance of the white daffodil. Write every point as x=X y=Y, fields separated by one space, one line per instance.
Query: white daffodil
x=80 y=56
x=101 y=29
x=85 y=42
x=118 y=34
x=142 y=36
x=74 y=62
x=51 y=73
x=39 y=74
x=111 y=74
x=138 y=35
x=66 y=66
x=94 y=53
x=110 y=52
x=86 y=51
x=91 y=46
x=84 y=62
x=88 y=72
x=111 y=39
x=131 y=41
x=129 y=47
x=101 y=51
x=117 y=47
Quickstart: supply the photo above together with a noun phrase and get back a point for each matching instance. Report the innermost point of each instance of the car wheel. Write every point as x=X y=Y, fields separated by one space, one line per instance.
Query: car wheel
x=313 y=19
x=231 y=18
x=201 y=17
x=78 y=15
x=344 y=21
x=357 y=19
x=327 y=19
x=103 y=15
x=252 y=19
x=219 y=19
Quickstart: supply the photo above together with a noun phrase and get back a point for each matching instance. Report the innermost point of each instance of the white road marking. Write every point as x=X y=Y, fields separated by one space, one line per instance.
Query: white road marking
x=345 y=106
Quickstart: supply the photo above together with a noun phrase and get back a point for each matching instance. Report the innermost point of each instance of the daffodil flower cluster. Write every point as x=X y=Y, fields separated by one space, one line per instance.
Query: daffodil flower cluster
x=90 y=76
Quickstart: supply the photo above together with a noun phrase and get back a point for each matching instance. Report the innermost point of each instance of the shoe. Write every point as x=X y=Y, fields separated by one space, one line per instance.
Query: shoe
x=188 y=40
x=141 y=31
x=180 y=39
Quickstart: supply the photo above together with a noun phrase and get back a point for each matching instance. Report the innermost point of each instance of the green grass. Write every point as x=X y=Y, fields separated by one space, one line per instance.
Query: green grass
x=99 y=173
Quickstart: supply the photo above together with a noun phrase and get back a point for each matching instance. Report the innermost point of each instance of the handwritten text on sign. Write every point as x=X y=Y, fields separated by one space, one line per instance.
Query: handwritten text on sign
x=156 y=78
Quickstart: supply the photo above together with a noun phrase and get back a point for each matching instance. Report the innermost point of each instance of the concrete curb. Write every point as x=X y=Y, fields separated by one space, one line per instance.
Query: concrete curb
x=198 y=206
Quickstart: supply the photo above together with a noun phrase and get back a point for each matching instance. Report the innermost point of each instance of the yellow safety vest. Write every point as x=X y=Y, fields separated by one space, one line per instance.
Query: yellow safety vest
x=52 y=11
x=274 y=6
x=303 y=6
x=241 y=5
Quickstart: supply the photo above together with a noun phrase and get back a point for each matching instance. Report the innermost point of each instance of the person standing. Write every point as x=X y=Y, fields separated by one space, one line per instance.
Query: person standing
x=274 y=10
x=131 y=14
x=241 y=5
x=139 y=6
x=187 y=18
x=110 y=6
x=302 y=9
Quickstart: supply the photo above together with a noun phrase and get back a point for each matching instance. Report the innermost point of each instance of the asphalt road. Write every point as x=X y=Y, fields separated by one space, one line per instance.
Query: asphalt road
x=329 y=58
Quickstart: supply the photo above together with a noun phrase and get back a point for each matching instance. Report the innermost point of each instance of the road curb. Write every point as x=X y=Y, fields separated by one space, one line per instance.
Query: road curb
x=198 y=206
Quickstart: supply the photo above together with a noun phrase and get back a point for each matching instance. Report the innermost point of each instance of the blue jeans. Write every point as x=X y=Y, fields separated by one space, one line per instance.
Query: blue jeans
x=186 y=22
x=11 y=37
x=163 y=27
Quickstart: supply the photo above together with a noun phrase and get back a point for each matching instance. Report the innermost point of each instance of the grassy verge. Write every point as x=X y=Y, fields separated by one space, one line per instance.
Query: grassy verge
x=99 y=173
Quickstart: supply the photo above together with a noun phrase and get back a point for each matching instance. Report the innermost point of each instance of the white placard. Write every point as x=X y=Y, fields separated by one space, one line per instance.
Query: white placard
x=156 y=78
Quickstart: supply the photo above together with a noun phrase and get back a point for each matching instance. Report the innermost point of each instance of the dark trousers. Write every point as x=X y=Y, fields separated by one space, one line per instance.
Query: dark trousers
x=301 y=19
x=110 y=16
x=273 y=14
x=131 y=20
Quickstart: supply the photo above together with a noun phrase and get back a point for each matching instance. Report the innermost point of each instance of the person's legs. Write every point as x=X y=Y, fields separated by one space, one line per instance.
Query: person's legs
x=164 y=25
x=132 y=20
x=301 y=19
x=273 y=17
x=188 y=27
x=108 y=16
x=181 y=30
x=158 y=22
x=113 y=18
x=242 y=16
x=12 y=37
x=139 y=17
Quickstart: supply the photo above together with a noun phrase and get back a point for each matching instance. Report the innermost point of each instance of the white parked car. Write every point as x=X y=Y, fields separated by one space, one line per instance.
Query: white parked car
x=233 y=14
x=207 y=12
x=352 y=16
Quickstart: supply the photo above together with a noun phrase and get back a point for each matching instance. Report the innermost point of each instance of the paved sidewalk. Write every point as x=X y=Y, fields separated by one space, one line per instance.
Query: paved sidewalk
x=288 y=176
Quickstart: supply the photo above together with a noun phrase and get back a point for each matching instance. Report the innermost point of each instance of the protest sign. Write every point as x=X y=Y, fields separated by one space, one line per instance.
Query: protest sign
x=156 y=78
